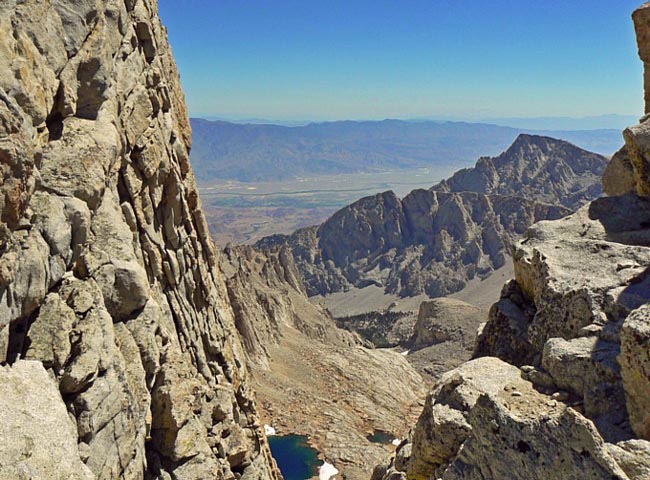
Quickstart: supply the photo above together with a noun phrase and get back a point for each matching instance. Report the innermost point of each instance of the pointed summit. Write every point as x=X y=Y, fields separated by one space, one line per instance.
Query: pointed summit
x=541 y=168
x=526 y=140
x=526 y=145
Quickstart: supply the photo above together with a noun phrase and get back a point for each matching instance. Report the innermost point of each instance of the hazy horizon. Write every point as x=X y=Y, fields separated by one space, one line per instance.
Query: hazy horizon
x=550 y=123
x=371 y=60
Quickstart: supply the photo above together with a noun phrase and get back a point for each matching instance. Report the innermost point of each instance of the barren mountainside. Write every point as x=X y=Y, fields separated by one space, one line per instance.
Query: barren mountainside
x=117 y=338
x=434 y=241
x=541 y=168
x=312 y=378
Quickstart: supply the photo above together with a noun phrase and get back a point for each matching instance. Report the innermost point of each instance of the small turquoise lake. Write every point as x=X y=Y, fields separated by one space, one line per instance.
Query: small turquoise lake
x=296 y=459
x=379 y=436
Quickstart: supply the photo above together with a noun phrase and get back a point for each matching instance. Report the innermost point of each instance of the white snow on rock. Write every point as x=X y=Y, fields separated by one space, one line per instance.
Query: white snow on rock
x=396 y=442
x=269 y=430
x=406 y=352
x=327 y=471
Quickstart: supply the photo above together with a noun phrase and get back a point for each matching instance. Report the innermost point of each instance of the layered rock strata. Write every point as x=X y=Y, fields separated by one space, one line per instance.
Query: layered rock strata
x=108 y=276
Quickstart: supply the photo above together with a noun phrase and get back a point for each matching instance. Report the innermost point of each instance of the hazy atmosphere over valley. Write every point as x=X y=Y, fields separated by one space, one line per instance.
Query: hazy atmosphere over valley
x=335 y=240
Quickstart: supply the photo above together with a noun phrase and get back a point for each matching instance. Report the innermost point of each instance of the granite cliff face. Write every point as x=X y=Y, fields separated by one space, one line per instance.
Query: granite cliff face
x=559 y=385
x=114 y=315
x=430 y=242
x=312 y=378
x=434 y=241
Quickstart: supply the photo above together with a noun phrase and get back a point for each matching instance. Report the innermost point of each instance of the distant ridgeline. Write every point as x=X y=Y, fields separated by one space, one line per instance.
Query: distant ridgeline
x=433 y=241
x=250 y=152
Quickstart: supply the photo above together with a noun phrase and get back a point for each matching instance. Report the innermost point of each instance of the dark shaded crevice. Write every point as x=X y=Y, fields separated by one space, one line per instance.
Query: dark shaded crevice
x=19 y=341
x=523 y=447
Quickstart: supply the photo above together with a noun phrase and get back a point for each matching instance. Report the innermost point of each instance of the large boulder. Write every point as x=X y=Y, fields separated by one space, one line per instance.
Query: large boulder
x=483 y=420
x=635 y=368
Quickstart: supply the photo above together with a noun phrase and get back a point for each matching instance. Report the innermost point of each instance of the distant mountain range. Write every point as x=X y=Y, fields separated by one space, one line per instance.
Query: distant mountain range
x=258 y=152
x=594 y=122
x=433 y=241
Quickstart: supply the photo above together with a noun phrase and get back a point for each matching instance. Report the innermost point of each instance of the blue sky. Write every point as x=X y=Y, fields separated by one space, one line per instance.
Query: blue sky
x=372 y=59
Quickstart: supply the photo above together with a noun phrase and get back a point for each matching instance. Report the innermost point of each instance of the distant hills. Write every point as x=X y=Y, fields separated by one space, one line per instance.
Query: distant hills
x=259 y=152
x=594 y=122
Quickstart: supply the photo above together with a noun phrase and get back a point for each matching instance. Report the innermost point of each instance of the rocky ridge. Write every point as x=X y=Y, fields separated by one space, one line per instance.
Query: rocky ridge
x=541 y=168
x=559 y=386
x=434 y=241
x=312 y=378
x=114 y=315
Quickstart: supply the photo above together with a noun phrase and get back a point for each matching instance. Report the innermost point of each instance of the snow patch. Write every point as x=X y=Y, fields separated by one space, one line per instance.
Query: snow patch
x=396 y=442
x=327 y=471
x=269 y=430
x=406 y=352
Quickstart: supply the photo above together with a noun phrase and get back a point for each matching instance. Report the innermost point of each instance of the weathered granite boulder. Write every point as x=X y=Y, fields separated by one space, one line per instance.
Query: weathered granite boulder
x=635 y=368
x=618 y=178
x=443 y=320
x=483 y=420
x=578 y=280
x=575 y=321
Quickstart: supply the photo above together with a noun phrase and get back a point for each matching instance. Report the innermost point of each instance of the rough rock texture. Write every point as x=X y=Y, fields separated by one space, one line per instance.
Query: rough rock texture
x=443 y=320
x=434 y=241
x=429 y=242
x=443 y=335
x=311 y=377
x=574 y=327
x=541 y=168
x=40 y=441
x=477 y=425
x=635 y=368
x=618 y=178
x=578 y=280
x=641 y=19
x=108 y=275
x=267 y=294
